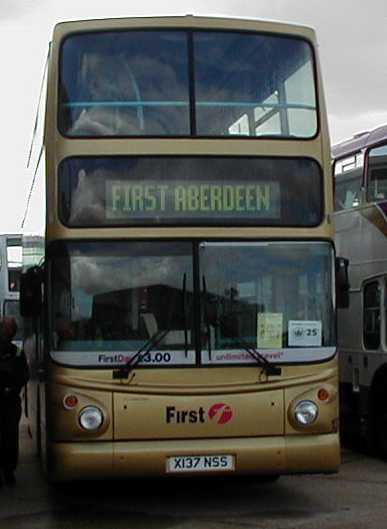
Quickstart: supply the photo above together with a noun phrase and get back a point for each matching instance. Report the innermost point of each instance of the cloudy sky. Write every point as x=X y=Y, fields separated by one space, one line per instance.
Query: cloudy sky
x=353 y=53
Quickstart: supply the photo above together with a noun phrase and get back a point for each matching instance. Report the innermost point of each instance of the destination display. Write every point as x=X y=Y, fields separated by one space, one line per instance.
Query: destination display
x=189 y=191
x=126 y=199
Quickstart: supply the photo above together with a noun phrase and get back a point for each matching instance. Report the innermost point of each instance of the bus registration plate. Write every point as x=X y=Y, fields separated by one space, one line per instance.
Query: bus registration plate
x=210 y=463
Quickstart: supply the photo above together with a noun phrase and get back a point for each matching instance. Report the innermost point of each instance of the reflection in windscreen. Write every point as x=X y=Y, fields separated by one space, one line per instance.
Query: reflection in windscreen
x=117 y=296
x=125 y=84
x=269 y=295
x=253 y=85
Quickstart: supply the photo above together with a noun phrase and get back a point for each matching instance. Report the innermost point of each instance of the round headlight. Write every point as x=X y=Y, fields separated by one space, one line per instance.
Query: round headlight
x=91 y=418
x=306 y=412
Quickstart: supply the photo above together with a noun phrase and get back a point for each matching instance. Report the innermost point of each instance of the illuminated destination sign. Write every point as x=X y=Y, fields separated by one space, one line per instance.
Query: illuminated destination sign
x=189 y=190
x=126 y=199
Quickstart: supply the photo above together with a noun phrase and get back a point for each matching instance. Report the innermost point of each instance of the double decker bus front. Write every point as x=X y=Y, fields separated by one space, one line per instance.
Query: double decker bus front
x=189 y=265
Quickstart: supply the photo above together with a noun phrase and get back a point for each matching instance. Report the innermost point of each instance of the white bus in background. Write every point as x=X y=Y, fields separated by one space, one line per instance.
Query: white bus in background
x=10 y=270
x=360 y=168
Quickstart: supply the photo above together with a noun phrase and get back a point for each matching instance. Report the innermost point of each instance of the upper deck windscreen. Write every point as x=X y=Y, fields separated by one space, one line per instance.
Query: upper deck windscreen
x=182 y=83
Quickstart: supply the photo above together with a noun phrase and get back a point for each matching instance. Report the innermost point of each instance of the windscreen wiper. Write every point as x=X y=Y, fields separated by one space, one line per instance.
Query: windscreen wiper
x=268 y=367
x=206 y=317
x=155 y=339
x=184 y=294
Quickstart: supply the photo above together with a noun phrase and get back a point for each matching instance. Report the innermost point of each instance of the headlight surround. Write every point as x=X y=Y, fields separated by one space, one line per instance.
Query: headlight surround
x=306 y=412
x=91 y=418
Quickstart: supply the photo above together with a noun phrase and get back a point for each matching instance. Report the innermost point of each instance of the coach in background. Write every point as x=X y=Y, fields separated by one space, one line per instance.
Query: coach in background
x=13 y=376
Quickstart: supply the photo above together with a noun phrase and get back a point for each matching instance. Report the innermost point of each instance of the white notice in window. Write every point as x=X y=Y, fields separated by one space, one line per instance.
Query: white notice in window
x=304 y=333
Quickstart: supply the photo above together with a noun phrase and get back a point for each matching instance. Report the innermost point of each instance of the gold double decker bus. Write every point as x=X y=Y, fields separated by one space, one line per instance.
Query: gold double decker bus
x=183 y=320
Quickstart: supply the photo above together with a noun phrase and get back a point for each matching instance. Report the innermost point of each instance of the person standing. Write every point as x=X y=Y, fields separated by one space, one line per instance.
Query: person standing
x=13 y=376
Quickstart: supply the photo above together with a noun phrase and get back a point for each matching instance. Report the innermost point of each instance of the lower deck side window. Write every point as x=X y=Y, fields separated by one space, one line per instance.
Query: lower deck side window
x=371 y=315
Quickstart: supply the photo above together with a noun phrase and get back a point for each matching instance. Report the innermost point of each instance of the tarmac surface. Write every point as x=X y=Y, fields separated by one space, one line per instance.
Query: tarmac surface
x=355 y=498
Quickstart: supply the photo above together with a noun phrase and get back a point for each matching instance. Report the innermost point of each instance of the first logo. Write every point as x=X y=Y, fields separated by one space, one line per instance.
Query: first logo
x=221 y=413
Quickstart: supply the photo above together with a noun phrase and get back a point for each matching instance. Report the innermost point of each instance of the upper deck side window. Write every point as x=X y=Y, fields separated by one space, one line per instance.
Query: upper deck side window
x=349 y=181
x=377 y=174
x=179 y=83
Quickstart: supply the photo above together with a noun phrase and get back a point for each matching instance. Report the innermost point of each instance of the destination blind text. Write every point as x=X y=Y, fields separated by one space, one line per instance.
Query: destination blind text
x=129 y=198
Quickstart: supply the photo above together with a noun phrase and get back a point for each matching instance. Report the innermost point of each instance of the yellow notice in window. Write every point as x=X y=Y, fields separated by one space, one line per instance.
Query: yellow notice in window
x=269 y=330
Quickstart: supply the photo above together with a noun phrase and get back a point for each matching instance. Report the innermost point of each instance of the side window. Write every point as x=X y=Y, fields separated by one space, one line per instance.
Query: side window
x=377 y=174
x=349 y=178
x=371 y=315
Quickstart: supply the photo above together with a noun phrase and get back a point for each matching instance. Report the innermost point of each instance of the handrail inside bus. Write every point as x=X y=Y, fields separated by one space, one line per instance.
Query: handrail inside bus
x=75 y=104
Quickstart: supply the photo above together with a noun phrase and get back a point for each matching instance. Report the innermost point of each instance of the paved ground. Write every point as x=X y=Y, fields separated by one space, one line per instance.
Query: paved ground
x=353 y=499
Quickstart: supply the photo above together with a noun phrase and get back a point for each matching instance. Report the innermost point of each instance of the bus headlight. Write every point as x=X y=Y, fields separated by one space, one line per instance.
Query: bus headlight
x=306 y=412
x=91 y=418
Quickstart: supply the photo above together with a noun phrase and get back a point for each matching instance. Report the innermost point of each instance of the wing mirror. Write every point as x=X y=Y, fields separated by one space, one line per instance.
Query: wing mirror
x=31 y=296
x=342 y=283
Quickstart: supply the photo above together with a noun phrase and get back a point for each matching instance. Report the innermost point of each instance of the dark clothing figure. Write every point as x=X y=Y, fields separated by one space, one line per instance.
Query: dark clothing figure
x=13 y=376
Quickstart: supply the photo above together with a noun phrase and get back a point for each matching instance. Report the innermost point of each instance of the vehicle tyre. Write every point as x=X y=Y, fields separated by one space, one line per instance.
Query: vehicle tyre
x=38 y=442
x=381 y=435
x=376 y=431
x=269 y=478
x=257 y=479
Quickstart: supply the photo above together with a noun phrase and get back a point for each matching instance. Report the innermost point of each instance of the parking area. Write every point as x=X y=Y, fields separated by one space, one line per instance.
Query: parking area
x=353 y=499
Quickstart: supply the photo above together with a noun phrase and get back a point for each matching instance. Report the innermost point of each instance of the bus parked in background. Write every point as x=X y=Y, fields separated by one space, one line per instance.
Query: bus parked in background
x=183 y=320
x=10 y=271
x=360 y=168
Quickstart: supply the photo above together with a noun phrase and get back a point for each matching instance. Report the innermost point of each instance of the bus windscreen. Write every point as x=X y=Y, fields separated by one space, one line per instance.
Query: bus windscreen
x=178 y=83
x=110 y=299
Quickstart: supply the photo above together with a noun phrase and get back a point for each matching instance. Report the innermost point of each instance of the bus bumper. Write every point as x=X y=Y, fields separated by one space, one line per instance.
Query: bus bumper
x=261 y=456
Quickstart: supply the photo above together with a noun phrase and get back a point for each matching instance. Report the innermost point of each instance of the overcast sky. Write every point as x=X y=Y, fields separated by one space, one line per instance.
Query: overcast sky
x=352 y=38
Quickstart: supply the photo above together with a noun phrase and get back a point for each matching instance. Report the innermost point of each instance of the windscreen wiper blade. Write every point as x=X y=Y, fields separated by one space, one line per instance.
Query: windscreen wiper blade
x=155 y=339
x=268 y=367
